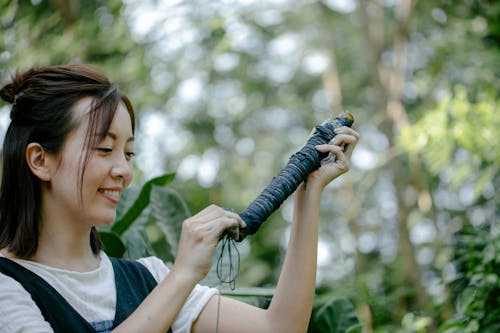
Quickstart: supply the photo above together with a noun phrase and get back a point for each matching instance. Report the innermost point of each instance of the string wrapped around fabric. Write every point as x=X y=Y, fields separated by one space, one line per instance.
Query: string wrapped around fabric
x=299 y=166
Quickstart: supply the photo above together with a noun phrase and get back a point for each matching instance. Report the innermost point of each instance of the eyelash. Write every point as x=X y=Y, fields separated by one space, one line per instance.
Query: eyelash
x=129 y=155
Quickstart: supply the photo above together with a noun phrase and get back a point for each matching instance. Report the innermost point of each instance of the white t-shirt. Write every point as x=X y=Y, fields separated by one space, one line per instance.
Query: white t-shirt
x=92 y=294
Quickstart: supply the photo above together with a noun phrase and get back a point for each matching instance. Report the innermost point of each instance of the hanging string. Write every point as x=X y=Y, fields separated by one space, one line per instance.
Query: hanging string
x=227 y=275
x=218 y=311
x=226 y=258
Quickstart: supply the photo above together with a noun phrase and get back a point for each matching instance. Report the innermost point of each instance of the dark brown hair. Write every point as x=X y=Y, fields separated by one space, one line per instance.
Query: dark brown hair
x=42 y=100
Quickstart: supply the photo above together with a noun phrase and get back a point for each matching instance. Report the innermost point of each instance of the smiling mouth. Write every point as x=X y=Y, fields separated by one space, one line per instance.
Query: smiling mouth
x=110 y=193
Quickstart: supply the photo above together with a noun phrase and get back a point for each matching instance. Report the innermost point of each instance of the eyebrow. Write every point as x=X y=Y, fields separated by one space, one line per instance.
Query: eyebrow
x=114 y=136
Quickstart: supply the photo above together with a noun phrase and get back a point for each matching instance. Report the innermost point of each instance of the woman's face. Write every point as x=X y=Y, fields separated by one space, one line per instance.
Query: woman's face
x=106 y=175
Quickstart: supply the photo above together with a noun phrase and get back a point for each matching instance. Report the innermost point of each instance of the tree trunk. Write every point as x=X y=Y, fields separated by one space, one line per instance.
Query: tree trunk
x=388 y=81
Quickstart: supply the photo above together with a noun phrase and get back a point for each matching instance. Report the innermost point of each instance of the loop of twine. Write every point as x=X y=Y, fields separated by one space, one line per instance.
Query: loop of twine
x=227 y=277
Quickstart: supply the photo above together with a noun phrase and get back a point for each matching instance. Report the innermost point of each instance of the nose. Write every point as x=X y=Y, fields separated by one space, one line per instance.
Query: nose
x=121 y=169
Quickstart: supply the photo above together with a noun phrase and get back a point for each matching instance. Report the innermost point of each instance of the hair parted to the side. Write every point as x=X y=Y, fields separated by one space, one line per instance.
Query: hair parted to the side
x=42 y=101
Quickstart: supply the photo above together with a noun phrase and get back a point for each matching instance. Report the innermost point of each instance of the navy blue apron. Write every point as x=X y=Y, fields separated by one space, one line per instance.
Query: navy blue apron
x=133 y=283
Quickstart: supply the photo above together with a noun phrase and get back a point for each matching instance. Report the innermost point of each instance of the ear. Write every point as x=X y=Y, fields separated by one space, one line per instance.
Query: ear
x=38 y=161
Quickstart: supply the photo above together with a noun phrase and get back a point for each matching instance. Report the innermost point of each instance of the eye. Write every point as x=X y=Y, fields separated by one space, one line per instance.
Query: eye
x=129 y=155
x=105 y=150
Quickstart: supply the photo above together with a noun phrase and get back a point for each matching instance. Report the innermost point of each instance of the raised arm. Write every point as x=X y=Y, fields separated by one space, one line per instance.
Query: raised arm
x=291 y=306
x=199 y=237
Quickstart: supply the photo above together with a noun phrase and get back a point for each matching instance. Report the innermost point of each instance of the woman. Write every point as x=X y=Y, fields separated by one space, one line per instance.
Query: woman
x=67 y=158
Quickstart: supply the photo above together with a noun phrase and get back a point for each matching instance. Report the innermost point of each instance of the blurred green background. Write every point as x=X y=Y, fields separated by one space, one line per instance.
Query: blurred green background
x=226 y=91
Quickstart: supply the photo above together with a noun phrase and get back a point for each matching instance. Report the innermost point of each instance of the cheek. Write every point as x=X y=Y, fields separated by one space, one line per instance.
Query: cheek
x=128 y=180
x=69 y=177
x=93 y=175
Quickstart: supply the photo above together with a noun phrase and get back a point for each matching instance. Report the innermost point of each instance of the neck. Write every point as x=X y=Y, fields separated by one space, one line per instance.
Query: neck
x=64 y=241
x=65 y=248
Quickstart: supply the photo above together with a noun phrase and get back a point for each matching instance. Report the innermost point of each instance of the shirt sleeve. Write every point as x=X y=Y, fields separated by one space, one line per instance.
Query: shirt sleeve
x=18 y=311
x=195 y=303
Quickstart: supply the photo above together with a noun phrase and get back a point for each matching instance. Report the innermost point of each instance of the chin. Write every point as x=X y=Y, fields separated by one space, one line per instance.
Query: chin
x=105 y=221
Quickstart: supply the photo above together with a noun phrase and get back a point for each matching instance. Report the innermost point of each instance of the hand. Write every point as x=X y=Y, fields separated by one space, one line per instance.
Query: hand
x=341 y=148
x=199 y=237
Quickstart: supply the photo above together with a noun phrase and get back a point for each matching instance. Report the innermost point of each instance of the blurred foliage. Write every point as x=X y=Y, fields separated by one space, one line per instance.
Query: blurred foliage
x=226 y=91
x=336 y=316
x=149 y=223
x=460 y=134
x=476 y=289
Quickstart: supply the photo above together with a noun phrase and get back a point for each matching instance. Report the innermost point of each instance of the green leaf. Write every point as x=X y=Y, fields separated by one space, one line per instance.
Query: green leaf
x=336 y=316
x=140 y=203
x=168 y=211
x=466 y=298
x=127 y=199
x=355 y=329
x=158 y=242
x=113 y=245
x=137 y=244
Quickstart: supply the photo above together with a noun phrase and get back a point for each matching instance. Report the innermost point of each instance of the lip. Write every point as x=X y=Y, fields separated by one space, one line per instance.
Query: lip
x=113 y=198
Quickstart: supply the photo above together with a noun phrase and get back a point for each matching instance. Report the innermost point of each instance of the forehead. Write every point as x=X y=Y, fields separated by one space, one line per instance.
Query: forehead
x=88 y=133
x=81 y=108
x=81 y=111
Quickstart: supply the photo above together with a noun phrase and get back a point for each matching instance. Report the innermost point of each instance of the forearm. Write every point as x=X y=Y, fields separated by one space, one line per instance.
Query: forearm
x=158 y=311
x=291 y=306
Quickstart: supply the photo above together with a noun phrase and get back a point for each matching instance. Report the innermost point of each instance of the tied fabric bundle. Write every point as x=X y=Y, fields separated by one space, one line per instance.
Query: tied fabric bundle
x=299 y=166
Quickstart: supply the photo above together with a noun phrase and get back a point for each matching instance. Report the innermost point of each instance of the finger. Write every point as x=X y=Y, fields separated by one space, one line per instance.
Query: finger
x=233 y=231
x=230 y=212
x=350 y=148
x=343 y=139
x=212 y=230
x=223 y=217
x=215 y=220
x=210 y=213
x=219 y=224
x=231 y=224
x=346 y=130
x=348 y=140
x=329 y=148
x=340 y=160
x=226 y=225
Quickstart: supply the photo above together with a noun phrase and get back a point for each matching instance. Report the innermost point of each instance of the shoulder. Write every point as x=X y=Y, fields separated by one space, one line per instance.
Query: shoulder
x=155 y=266
x=160 y=270
x=194 y=304
x=18 y=312
x=196 y=301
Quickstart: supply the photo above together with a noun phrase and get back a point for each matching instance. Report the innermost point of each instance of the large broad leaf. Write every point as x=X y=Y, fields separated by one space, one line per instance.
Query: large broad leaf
x=336 y=316
x=113 y=245
x=136 y=239
x=127 y=199
x=137 y=244
x=168 y=211
x=158 y=243
x=139 y=204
